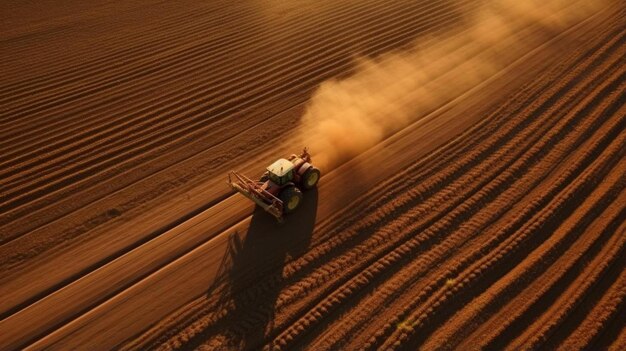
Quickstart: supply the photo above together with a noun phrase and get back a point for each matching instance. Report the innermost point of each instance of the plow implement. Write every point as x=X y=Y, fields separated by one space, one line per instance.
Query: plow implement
x=254 y=191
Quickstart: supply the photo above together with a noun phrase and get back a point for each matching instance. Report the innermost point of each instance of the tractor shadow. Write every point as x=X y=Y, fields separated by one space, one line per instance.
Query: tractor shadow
x=251 y=277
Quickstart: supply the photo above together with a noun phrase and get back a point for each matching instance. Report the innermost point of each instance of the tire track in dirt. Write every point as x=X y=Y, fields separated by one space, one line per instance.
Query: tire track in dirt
x=469 y=231
x=149 y=126
x=583 y=329
x=515 y=246
x=394 y=258
x=472 y=232
x=234 y=75
x=201 y=51
x=119 y=43
x=508 y=287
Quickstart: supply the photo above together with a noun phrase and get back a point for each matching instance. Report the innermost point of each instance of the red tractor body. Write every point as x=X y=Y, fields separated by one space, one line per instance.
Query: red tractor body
x=279 y=191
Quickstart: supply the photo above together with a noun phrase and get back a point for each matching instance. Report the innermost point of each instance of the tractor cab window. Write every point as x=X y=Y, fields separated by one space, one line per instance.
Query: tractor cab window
x=278 y=180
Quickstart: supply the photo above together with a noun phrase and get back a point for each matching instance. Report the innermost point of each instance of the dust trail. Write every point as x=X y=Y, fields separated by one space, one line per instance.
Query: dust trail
x=348 y=116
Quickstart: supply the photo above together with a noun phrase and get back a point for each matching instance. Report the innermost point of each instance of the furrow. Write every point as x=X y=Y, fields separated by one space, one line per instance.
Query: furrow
x=130 y=44
x=499 y=260
x=426 y=237
x=535 y=279
x=469 y=236
x=160 y=43
x=288 y=269
x=557 y=92
x=130 y=127
x=612 y=255
x=591 y=322
x=234 y=76
x=97 y=141
x=237 y=40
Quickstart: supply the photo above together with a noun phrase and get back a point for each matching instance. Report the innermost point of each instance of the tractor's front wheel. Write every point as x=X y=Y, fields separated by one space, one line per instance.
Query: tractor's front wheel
x=310 y=178
x=291 y=198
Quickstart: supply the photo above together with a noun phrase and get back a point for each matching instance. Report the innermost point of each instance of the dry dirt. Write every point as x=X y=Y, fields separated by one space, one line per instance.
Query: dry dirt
x=473 y=190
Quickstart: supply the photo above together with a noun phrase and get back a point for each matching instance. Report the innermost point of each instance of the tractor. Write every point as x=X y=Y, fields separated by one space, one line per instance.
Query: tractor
x=279 y=190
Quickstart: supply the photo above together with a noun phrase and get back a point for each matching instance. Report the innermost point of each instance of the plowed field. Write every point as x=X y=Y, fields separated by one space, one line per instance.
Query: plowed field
x=473 y=190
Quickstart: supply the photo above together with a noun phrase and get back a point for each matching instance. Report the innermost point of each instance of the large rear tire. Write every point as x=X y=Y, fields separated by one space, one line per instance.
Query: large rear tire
x=291 y=198
x=310 y=178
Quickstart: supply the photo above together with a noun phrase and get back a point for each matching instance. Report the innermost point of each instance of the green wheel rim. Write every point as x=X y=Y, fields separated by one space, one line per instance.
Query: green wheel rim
x=293 y=202
x=312 y=179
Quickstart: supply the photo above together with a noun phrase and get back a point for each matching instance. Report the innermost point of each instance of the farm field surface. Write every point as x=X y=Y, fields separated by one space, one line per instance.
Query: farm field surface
x=472 y=157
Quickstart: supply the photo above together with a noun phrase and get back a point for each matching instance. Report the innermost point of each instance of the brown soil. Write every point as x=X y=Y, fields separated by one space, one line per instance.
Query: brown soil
x=491 y=217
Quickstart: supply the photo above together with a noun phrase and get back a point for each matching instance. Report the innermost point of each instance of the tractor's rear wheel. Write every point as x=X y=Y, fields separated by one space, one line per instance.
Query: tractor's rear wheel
x=291 y=198
x=310 y=178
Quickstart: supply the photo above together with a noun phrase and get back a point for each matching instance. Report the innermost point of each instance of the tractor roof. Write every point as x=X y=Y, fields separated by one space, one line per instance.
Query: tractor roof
x=280 y=167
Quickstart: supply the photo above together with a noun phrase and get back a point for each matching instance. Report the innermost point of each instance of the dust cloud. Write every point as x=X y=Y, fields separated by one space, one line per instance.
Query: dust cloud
x=348 y=116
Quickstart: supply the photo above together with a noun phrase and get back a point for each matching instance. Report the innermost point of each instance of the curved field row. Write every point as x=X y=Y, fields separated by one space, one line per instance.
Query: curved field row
x=527 y=271
x=138 y=129
x=215 y=90
x=503 y=230
x=234 y=75
x=465 y=236
x=117 y=169
x=318 y=294
x=424 y=316
x=140 y=45
x=187 y=59
x=426 y=290
x=592 y=316
x=395 y=258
